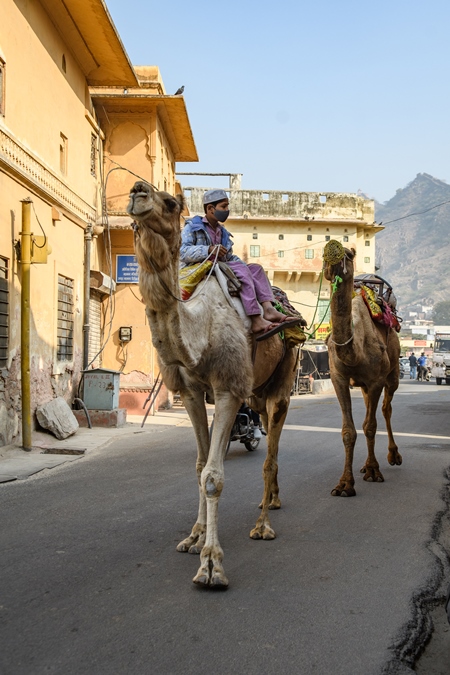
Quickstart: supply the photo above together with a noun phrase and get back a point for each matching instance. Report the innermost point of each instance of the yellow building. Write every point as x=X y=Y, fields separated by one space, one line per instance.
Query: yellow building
x=63 y=120
x=285 y=232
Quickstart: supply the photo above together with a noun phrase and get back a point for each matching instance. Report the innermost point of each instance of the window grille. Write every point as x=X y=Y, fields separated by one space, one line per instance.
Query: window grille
x=345 y=237
x=367 y=260
x=255 y=235
x=327 y=237
x=64 y=332
x=281 y=254
x=254 y=251
x=93 y=155
x=2 y=87
x=367 y=243
x=309 y=253
x=309 y=237
x=4 y=312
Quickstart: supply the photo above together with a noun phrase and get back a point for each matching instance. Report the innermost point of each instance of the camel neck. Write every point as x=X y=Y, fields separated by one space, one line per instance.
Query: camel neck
x=341 y=314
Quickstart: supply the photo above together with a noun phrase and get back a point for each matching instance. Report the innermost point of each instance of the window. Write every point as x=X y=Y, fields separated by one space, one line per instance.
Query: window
x=345 y=237
x=4 y=311
x=367 y=243
x=2 y=87
x=309 y=237
x=367 y=260
x=309 y=253
x=255 y=235
x=323 y=311
x=281 y=254
x=93 y=155
x=254 y=251
x=63 y=64
x=327 y=237
x=64 y=331
x=281 y=236
x=63 y=154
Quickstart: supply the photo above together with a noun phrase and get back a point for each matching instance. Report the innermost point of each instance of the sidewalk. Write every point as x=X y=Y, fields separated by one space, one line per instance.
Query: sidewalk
x=48 y=451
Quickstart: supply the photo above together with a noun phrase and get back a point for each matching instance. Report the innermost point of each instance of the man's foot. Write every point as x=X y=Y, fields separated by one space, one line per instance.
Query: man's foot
x=260 y=324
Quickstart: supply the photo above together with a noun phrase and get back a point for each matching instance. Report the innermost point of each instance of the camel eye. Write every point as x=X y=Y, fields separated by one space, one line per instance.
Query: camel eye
x=171 y=204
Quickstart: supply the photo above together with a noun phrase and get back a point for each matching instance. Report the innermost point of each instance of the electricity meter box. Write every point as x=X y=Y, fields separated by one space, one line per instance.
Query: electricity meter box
x=101 y=389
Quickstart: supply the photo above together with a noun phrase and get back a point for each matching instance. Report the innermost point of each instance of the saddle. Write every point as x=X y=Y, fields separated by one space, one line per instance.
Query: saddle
x=380 y=301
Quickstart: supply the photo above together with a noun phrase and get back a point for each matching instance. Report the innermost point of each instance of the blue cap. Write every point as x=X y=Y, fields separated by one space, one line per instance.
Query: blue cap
x=212 y=196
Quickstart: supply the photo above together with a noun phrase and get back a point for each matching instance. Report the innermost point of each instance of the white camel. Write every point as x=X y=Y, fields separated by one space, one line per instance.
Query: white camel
x=204 y=348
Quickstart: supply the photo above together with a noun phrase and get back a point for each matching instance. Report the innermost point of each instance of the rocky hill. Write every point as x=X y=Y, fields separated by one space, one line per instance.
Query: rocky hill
x=413 y=252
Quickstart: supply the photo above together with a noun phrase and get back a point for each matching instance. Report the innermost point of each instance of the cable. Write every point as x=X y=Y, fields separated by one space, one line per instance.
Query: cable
x=417 y=213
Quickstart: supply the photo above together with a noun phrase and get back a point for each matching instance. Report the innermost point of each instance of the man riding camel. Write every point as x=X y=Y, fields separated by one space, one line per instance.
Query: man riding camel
x=205 y=238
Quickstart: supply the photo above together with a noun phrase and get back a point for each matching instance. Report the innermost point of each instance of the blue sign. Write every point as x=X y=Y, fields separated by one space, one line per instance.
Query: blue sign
x=127 y=271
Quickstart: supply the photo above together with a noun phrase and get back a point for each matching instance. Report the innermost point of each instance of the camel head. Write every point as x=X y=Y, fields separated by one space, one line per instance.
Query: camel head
x=338 y=261
x=155 y=209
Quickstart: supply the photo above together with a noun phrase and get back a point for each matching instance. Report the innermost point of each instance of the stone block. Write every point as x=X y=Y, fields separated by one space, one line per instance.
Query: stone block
x=57 y=417
x=102 y=418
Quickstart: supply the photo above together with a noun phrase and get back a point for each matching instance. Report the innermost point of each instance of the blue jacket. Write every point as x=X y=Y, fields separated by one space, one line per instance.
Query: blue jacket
x=195 y=242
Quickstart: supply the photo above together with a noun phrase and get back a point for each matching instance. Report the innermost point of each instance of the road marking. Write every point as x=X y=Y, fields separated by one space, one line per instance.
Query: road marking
x=297 y=427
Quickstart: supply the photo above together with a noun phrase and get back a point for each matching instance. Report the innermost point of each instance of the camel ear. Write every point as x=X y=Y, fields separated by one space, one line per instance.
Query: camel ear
x=173 y=203
x=353 y=250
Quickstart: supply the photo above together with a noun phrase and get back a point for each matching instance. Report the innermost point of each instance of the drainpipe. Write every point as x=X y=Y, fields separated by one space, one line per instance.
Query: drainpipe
x=25 y=260
x=87 y=295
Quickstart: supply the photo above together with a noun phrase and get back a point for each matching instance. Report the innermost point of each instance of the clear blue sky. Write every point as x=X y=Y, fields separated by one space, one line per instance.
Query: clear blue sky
x=308 y=96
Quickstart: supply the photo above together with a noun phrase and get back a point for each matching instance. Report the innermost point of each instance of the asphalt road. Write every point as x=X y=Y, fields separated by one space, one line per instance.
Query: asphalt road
x=91 y=581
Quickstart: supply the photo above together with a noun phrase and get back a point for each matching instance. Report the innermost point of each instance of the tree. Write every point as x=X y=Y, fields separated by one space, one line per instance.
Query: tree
x=441 y=313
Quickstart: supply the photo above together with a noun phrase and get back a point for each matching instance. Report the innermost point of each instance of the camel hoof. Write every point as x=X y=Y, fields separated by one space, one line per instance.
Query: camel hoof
x=195 y=549
x=275 y=504
x=395 y=459
x=182 y=547
x=263 y=532
x=344 y=492
x=216 y=580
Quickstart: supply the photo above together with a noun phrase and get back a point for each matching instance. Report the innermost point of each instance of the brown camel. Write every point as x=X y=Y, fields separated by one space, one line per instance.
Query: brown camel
x=363 y=353
x=204 y=348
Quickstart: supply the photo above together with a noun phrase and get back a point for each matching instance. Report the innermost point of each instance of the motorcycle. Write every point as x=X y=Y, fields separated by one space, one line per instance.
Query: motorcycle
x=243 y=430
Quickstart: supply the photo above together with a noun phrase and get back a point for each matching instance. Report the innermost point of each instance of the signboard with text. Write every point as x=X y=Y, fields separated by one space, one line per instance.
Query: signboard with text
x=127 y=271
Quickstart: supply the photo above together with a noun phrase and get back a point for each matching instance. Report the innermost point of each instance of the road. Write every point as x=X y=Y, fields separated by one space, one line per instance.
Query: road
x=91 y=581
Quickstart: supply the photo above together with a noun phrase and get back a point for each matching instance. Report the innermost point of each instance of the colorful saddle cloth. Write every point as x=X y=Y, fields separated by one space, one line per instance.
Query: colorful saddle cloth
x=379 y=309
x=190 y=276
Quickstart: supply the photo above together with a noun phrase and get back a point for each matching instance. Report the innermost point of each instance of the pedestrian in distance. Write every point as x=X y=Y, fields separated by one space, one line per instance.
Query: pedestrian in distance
x=422 y=367
x=413 y=366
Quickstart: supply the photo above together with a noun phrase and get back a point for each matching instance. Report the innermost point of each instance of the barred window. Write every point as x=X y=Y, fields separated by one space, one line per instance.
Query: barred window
x=281 y=236
x=4 y=311
x=2 y=87
x=255 y=235
x=367 y=243
x=64 y=333
x=309 y=237
x=345 y=237
x=327 y=237
x=281 y=254
x=367 y=260
x=309 y=253
x=254 y=251
x=93 y=155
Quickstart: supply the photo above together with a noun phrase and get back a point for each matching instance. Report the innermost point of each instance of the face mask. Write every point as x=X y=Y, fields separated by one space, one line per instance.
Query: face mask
x=221 y=216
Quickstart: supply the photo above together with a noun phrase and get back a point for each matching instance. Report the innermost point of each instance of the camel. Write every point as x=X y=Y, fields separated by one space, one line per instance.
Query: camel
x=203 y=349
x=362 y=353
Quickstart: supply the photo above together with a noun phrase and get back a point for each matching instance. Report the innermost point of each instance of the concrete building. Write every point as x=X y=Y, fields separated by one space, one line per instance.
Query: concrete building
x=285 y=232
x=65 y=118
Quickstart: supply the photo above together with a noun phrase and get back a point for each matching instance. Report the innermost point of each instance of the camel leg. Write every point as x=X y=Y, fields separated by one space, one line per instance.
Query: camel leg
x=210 y=572
x=274 y=419
x=346 y=485
x=371 y=468
x=393 y=457
x=195 y=405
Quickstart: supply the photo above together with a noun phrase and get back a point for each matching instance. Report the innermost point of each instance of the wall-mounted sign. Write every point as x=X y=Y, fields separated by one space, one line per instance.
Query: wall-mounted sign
x=127 y=271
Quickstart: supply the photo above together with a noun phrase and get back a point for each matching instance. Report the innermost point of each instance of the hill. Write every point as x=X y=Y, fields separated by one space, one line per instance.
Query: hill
x=413 y=251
